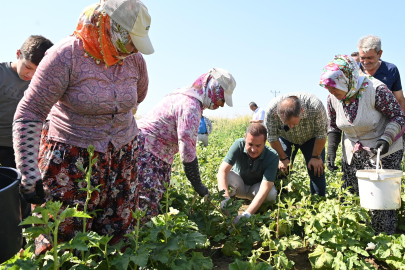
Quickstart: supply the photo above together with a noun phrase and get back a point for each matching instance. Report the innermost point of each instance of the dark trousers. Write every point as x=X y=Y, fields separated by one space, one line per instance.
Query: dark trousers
x=7 y=159
x=317 y=183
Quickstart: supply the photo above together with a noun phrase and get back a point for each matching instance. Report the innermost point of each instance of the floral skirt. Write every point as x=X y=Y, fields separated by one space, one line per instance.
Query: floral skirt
x=381 y=220
x=116 y=172
x=152 y=174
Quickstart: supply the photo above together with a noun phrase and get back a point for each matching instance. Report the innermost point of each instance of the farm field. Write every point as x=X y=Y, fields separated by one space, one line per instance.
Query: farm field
x=298 y=231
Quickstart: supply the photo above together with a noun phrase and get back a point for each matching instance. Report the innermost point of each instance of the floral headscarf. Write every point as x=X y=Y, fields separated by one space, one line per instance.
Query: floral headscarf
x=206 y=89
x=342 y=73
x=103 y=39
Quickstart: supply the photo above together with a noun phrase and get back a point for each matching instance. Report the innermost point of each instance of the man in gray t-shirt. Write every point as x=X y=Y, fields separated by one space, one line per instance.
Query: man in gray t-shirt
x=14 y=80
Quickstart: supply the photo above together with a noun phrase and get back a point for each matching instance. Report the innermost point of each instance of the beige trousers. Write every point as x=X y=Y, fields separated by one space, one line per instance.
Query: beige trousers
x=203 y=138
x=240 y=190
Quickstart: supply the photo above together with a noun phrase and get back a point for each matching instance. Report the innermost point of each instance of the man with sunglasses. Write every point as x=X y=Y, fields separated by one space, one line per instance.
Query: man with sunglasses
x=299 y=119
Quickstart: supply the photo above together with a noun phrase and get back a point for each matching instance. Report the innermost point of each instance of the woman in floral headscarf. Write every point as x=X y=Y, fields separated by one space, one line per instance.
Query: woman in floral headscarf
x=171 y=127
x=371 y=118
x=88 y=83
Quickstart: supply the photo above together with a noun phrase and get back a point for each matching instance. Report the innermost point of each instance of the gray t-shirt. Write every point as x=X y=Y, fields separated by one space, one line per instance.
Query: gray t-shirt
x=12 y=89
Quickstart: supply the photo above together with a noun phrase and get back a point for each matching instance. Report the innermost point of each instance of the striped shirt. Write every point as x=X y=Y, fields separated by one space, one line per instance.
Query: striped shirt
x=313 y=123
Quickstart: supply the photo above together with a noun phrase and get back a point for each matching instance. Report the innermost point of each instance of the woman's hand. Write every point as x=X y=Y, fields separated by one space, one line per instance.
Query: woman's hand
x=383 y=145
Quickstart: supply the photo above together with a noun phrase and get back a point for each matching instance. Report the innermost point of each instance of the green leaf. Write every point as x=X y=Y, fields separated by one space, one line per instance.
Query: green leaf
x=36 y=231
x=385 y=254
x=401 y=240
x=198 y=261
x=396 y=250
x=75 y=243
x=228 y=249
x=338 y=263
x=359 y=250
x=219 y=237
x=121 y=261
x=141 y=257
x=32 y=220
x=172 y=244
x=321 y=257
x=281 y=259
x=26 y=264
x=397 y=264
x=351 y=259
x=263 y=266
x=193 y=239
x=161 y=255
x=239 y=265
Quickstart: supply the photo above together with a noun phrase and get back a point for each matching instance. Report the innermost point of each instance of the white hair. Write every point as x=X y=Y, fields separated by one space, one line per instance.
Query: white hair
x=368 y=43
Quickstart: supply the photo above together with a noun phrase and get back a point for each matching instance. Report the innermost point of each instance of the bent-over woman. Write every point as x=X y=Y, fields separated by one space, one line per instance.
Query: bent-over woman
x=88 y=83
x=371 y=118
x=171 y=127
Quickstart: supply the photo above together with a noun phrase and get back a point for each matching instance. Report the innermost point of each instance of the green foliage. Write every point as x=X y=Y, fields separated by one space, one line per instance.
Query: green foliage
x=334 y=229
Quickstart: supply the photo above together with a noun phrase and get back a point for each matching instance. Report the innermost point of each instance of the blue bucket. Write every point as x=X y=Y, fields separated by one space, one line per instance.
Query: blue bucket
x=11 y=238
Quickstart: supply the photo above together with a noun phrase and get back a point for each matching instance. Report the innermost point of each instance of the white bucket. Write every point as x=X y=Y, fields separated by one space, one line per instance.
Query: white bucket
x=380 y=191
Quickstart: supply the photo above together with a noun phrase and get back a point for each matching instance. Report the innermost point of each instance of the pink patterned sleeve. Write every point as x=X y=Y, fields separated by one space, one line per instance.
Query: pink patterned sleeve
x=143 y=81
x=187 y=130
x=47 y=86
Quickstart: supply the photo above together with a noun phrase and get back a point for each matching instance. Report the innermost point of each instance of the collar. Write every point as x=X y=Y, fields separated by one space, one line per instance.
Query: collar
x=257 y=110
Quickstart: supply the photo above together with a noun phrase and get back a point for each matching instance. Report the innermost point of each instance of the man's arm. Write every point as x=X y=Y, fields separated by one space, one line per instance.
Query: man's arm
x=256 y=121
x=399 y=95
x=257 y=201
x=222 y=177
x=283 y=163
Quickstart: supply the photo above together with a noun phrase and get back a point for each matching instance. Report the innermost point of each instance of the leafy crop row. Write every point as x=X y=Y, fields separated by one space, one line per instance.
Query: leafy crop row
x=333 y=230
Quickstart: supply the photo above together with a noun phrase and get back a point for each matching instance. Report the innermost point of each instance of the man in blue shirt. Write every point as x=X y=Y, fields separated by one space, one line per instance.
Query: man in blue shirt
x=371 y=64
x=204 y=130
x=254 y=169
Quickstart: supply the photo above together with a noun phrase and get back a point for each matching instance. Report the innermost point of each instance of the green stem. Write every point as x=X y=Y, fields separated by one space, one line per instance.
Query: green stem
x=137 y=233
x=278 y=207
x=88 y=185
x=89 y=191
x=106 y=257
x=223 y=215
x=55 y=246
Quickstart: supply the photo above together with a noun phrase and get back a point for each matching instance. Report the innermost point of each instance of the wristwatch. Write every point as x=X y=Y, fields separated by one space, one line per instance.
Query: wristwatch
x=317 y=157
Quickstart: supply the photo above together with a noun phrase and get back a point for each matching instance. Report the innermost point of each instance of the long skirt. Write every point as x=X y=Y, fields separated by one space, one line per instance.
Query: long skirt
x=152 y=174
x=381 y=220
x=115 y=171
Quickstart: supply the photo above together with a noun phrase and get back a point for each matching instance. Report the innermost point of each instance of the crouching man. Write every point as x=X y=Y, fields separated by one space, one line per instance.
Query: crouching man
x=249 y=168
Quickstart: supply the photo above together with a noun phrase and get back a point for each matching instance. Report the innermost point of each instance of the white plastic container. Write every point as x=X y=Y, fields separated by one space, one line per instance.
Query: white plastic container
x=380 y=191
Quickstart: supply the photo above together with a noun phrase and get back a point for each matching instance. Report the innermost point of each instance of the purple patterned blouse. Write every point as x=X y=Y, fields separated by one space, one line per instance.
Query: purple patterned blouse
x=87 y=103
x=172 y=126
x=385 y=103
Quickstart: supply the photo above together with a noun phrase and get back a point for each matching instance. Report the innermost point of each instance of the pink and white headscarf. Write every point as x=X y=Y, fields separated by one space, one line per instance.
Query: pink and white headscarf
x=342 y=73
x=206 y=89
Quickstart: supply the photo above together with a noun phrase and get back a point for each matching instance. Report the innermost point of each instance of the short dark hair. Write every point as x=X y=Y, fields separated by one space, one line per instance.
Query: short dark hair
x=34 y=49
x=257 y=130
x=253 y=104
x=355 y=54
x=287 y=112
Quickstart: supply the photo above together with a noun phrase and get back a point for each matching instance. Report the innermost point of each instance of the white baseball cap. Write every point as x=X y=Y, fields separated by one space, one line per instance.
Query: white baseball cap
x=226 y=80
x=133 y=16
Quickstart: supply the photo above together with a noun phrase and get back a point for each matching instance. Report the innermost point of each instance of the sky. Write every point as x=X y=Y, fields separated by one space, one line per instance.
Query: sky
x=270 y=47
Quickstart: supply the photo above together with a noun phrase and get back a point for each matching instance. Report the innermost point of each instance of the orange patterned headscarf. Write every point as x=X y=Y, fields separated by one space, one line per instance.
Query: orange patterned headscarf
x=103 y=39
